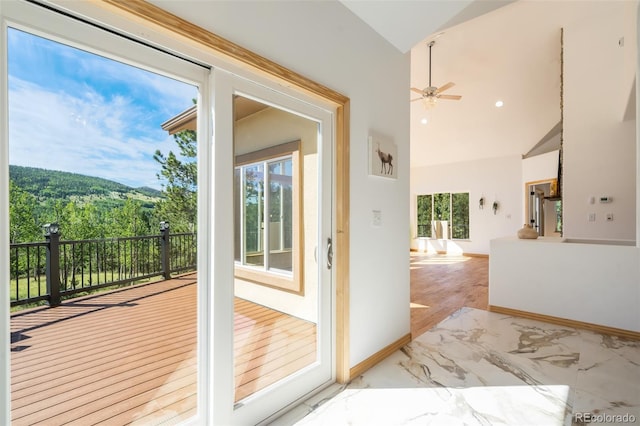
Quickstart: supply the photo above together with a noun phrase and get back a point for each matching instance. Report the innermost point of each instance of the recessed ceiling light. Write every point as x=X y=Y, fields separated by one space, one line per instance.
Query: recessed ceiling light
x=499 y=104
x=424 y=121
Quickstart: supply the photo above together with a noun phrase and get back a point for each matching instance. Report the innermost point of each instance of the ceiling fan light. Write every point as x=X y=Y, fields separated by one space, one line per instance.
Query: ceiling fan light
x=499 y=104
x=429 y=101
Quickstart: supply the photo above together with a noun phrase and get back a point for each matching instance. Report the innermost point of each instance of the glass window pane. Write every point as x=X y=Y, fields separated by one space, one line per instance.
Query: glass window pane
x=276 y=330
x=424 y=215
x=253 y=215
x=280 y=216
x=237 y=211
x=287 y=218
x=460 y=215
x=441 y=206
x=103 y=117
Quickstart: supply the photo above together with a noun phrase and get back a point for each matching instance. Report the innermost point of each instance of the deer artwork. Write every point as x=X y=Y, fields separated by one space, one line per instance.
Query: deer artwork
x=387 y=161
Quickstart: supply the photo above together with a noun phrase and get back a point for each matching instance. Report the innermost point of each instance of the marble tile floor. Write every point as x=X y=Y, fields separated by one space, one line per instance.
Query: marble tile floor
x=482 y=368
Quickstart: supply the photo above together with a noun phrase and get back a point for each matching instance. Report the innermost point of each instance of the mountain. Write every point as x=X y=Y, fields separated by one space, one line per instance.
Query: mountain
x=52 y=184
x=149 y=191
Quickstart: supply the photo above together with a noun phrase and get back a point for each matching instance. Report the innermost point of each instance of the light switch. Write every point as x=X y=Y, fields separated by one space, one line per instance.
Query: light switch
x=376 y=218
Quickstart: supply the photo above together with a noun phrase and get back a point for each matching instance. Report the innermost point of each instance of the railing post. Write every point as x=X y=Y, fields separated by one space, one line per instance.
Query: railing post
x=165 y=250
x=52 y=234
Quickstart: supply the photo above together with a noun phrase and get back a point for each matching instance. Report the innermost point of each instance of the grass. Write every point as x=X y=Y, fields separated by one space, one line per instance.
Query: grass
x=33 y=286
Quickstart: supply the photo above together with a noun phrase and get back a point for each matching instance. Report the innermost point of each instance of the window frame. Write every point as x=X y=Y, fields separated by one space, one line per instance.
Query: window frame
x=278 y=279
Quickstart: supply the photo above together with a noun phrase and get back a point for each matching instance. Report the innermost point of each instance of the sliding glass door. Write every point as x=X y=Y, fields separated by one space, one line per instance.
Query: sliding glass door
x=202 y=295
x=273 y=162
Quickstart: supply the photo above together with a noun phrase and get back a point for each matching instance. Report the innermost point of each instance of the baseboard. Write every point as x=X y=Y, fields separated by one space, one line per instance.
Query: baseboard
x=628 y=334
x=486 y=256
x=360 y=368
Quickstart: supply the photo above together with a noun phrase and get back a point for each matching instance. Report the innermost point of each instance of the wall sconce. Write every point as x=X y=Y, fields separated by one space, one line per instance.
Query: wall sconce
x=164 y=226
x=495 y=207
x=481 y=203
x=51 y=229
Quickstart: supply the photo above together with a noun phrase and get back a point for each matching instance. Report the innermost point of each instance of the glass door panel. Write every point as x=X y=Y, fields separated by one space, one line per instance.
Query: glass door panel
x=280 y=323
x=276 y=298
x=104 y=297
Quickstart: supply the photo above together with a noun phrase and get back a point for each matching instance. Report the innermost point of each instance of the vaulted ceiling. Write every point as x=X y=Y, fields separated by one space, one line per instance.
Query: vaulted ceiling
x=510 y=51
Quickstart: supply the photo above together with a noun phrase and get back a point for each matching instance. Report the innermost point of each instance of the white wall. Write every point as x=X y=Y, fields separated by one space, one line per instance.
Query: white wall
x=592 y=283
x=540 y=167
x=494 y=179
x=599 y=147
x=325 y=42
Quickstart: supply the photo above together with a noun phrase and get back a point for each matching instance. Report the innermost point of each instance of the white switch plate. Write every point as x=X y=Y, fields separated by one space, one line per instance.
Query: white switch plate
x=376 y=218
x=592 y=217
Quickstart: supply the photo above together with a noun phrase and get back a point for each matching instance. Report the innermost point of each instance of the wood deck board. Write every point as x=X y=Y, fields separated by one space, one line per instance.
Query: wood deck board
x=112 y=361
x=129 y=356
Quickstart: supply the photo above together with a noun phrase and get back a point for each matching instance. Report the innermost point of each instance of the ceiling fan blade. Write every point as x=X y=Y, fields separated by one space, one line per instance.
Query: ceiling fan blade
x=452 y=97
x=445 y=87
x=413 y=89
x=416 y=99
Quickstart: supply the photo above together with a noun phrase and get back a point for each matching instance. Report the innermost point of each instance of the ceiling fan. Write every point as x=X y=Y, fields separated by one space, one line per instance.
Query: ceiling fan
x=431 y=94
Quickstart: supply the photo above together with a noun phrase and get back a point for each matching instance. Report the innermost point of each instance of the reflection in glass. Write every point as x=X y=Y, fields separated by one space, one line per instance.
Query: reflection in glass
x=276 y=201
x=253 y=215
x=280 y=215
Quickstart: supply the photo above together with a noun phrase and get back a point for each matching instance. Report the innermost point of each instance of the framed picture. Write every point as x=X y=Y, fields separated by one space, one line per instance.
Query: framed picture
x=383 y=158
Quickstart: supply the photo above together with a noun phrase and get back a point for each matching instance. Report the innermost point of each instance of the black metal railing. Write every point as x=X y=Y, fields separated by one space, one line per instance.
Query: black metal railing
x=55 y=269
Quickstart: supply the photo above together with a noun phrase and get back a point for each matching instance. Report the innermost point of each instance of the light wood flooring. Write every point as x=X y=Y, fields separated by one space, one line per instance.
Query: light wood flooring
x=129 y=356
x=442 y=284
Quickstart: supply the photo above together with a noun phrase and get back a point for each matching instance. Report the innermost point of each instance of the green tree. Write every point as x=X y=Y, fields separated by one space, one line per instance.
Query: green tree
x=179 y=175
x=130 y=220
x=460 y=215
x=80 y=222
x=424 y=215
x=23 y=227
x=441 y=204
x=23 y=221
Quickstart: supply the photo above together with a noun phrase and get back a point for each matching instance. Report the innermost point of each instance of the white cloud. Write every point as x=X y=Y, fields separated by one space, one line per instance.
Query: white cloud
x=87 y=134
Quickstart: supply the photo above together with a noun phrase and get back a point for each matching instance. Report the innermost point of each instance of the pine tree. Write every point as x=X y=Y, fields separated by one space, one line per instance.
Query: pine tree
x=180 y=176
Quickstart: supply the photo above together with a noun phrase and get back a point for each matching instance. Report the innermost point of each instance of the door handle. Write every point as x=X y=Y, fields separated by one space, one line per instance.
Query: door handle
x=329 y=253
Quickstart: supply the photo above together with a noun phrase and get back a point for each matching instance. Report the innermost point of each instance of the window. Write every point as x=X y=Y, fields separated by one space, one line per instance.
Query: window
x=443 y=215
x=425 y=215
x=266 y=214
x=460 y=216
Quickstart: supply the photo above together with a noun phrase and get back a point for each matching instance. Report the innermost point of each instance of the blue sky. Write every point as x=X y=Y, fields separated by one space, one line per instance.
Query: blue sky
x=74 y=111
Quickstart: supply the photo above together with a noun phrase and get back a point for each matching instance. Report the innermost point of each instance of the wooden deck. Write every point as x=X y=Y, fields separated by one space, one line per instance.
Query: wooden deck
x=129 y=356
